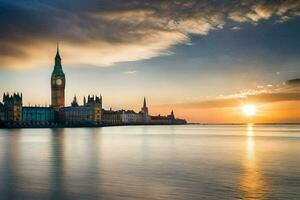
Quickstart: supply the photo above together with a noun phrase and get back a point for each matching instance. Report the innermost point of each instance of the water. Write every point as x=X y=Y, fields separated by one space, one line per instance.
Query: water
x=151 y=162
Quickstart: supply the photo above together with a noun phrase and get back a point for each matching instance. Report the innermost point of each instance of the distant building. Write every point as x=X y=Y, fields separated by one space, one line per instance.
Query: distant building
x=88 y=113
x=171 y=116
x=74 y=103
x=169 y=119
x=145 y=112
x=159 y=119
x=131 y=117
x=110 y=117
x=37 y=115
x=2 y=112
x=12 y=107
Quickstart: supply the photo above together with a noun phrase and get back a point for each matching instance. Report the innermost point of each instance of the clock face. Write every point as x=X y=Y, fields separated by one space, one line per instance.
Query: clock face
x=58 y=81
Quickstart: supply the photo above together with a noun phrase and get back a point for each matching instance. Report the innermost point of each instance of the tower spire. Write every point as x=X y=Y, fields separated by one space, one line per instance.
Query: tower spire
x=74 y=102
x=145 y=111
x=57 y=57
x=57 y=49
x=145 y=104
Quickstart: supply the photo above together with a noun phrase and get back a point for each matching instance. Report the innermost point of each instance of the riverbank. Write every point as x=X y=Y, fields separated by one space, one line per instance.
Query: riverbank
x=83 y=125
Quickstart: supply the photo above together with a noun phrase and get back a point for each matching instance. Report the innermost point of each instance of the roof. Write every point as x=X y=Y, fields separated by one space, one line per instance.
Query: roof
x=37 y=107
x=57 y=71
x=111 y=112
x=76 y=108
x=128 y=111
x=159 y=117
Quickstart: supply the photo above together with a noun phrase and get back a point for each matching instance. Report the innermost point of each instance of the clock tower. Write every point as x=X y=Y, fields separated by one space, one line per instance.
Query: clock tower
x=58 y=83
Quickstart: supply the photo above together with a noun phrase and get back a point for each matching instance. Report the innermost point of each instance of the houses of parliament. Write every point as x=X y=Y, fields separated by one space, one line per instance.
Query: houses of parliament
x=90 y=114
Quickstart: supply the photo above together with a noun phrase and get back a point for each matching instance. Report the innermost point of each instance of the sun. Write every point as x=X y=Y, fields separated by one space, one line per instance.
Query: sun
x=249 y=110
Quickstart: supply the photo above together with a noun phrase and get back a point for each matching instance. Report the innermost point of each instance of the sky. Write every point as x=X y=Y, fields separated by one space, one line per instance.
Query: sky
x=203 y=59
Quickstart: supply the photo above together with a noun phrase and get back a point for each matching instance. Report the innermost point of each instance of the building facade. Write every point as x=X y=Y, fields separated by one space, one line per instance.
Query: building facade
x=37 y=115
x=131 y=117
x=90 y=113
x=111 y=117
x=2 y=112
x=58 y=83
x=12 y=106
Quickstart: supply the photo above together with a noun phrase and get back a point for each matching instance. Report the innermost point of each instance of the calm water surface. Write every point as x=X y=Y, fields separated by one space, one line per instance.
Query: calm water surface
x=151 y=162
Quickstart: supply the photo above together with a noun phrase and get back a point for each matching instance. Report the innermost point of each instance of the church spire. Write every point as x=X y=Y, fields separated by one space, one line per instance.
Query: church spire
x=145 y=111
x=145 y=104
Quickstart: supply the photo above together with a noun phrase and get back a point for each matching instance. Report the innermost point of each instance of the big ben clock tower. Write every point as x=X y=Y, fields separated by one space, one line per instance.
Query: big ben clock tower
x=58 y=83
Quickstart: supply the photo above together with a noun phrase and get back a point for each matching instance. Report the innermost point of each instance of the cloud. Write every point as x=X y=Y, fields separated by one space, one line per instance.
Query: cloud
x=287 y=91
x=103 y=32
x=293 y=82
x=236 y=28
x=130 y=72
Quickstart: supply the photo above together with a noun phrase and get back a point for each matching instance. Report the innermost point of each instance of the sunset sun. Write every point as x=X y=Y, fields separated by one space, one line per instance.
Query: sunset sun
x=249 y=110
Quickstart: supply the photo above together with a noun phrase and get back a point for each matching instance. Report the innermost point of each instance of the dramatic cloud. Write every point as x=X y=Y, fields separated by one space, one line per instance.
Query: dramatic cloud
x=103 y=32
x=288 y=91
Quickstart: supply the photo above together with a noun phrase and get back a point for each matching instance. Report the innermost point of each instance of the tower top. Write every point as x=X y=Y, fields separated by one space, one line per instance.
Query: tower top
x=57 y=71
x=57 y=51
x=57 y=57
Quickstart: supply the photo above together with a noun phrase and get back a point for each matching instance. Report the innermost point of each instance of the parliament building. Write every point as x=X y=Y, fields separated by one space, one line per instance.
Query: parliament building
x=90 y=113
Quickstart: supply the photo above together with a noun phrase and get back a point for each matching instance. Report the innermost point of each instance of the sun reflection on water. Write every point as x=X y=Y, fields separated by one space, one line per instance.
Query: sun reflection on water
x=252 y=182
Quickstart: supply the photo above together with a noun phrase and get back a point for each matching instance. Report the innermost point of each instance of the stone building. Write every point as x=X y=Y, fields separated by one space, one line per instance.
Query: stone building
x=145 y=112
x=2 y=112
x=131 y=117
x=110 y=117
x=12 y=106
x=90 y=113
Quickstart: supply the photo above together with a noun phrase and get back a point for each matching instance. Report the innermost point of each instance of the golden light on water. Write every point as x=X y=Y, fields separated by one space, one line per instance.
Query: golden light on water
x=250 y=129
x=249 y=110
x=252 y=182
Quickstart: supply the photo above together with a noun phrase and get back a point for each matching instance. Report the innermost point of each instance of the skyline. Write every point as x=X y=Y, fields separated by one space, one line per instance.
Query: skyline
x=205 y=72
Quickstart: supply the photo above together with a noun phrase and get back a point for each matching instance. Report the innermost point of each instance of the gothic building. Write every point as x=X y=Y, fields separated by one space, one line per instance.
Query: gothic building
x=90 y=113
x=111 y=117
x=131 y=117
x=2 y=112
x=145 y=112
x=58 y=83
x=12 y=107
